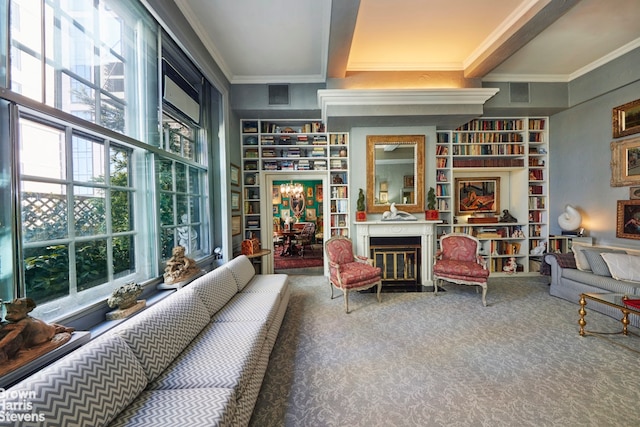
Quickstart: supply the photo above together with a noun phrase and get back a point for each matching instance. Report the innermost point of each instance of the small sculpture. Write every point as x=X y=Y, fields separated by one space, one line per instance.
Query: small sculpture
x=179 y=267
x=539 y=250
x=125 y=296
x=21 y=332
x=507 y=217
x=397 y=215
x=511 y=266
x=570 y=219
x=360 y=202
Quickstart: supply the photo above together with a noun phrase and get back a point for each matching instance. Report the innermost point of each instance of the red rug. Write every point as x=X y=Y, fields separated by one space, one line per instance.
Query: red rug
x=311 y=259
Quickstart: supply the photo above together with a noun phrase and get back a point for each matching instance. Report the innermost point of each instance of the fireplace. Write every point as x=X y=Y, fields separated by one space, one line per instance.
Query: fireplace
x=404 y=248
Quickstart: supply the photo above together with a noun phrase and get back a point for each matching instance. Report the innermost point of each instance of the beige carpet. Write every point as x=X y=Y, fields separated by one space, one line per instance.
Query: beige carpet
x=420 y=360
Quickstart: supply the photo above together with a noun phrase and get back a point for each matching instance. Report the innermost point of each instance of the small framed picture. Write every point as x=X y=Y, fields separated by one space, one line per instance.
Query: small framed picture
x=235 y=174
x=309 y=192
x=634 y=193
x=626 y=119
x=235 y=200
x=311 y=214
x=628 y=219
x=236 y=225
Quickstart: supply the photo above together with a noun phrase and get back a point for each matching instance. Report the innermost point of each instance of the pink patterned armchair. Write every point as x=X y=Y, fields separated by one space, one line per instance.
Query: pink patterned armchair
x=349 y=272
x=458 y=261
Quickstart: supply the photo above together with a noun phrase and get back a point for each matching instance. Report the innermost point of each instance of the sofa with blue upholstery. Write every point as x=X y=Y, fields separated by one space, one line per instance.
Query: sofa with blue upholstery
x=196 y=358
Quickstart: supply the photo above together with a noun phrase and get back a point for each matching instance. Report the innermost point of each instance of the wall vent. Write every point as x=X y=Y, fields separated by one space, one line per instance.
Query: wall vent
x=519 y=92
x=278 y=94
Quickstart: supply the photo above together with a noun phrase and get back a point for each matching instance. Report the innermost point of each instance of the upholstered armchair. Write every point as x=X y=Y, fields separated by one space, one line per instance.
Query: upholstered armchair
x=458 y=261
x=349 y=272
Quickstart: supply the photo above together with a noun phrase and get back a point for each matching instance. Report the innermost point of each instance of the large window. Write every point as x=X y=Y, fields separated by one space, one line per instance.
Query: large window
x=78 y=207
x=94 y=59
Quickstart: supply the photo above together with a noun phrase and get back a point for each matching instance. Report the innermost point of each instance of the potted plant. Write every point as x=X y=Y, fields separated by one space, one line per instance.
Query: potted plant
x=361 y=214
x=431 y=214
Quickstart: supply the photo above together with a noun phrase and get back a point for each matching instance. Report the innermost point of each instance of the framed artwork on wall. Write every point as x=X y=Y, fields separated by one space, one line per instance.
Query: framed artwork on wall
x=311 y=214
x=628 y=219
x=236 y=225
x=235 y=174
x=477 y=195
x=626 y=119
x=275 y=195
x=634 y=193
x=235 y=200
x=625 y=162
x=319 y=195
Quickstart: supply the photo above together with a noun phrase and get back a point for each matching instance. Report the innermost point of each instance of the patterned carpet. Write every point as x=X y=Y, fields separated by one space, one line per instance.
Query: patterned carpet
x=312 y=258
x=420 y=360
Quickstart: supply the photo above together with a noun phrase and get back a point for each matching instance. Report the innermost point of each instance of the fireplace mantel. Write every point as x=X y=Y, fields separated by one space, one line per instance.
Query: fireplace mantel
x=425 y=229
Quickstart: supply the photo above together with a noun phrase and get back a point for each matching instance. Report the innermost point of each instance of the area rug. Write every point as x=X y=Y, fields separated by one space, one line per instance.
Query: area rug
x=312 y=258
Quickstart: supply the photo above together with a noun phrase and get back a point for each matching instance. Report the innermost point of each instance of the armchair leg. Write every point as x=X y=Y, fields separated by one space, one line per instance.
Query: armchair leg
x=484 y=295
x=346 y=301
x=379 y=290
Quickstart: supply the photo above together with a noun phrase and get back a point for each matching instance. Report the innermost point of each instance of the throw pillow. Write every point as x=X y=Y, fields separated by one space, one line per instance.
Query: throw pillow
x=623 y=266
x=581 y=260
x=596 y=262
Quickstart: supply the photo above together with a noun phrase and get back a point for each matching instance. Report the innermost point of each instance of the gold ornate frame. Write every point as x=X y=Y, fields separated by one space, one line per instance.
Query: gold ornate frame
x=418 y=141
x=628 y=219
x=625 y=155
x=626 y=119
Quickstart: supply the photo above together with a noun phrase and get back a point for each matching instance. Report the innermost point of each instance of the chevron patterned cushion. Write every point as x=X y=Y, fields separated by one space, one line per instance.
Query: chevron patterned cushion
x=267 y=283
x=160 y=333
x=223 y=355
x=215 y=288
x=88 y=387
x=194 y=407
x=250 y=307
x=242 y=270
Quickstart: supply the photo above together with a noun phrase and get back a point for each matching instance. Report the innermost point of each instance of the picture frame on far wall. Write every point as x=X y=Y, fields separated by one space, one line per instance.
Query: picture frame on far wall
x=634 y=193
x=625 y=162
x=626 y=119
x=236 y=225
x=235 y=175
x=628 y=219
x=235 y=200
x=477 y=195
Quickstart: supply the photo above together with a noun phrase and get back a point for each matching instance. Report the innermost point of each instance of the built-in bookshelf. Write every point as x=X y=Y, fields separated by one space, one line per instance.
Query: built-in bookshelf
x=299 y=147
x=515 y=150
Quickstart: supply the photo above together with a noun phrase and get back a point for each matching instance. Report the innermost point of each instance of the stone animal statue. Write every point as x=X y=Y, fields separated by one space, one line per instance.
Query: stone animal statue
x=20 y=331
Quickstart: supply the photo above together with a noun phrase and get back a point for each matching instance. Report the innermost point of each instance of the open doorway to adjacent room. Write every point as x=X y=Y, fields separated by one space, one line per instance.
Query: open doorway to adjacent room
x=296 y=221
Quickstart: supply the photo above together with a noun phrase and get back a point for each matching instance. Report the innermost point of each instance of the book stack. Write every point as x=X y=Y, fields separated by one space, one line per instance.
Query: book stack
x=303 y=165
x=303 y=140
x=317 y=152
x=266 y=140
x=320 y=165
x=320 y=140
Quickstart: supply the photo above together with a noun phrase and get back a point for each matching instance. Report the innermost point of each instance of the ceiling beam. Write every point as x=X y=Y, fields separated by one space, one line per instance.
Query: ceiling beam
x=523 y=30
x=344 y=14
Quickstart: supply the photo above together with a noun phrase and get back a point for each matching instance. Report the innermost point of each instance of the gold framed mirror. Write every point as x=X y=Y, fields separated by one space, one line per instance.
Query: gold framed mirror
x=395 y=172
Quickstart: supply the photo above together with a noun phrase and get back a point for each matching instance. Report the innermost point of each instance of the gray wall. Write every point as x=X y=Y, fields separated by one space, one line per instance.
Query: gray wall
x=580 y=154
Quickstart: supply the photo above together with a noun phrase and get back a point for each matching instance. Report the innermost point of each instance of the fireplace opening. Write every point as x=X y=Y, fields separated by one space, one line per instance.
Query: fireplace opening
x=399 y=258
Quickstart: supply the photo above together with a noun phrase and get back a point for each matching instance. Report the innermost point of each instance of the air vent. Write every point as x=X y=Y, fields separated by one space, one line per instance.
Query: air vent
x=519 y=92
x=278 y=94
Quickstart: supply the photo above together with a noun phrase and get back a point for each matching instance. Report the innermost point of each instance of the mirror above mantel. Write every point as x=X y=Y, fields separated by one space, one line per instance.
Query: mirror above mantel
x=395 y=172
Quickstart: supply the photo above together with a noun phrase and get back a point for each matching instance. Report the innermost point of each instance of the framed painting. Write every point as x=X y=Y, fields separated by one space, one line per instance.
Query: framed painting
x=625 y=162
x=276 y=198
x=319 y=195
x=235 y=200
x=311 y=214
x=477 y=195
x=309 y=192
x=236 y=225
x=628 y=219
x=626 y=119
x=235 y=174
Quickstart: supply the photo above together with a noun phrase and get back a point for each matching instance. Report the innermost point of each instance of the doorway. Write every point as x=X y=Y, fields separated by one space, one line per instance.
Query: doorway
x=296 y=221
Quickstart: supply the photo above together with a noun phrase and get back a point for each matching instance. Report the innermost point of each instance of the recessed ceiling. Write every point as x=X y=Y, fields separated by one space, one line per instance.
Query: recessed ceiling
x=289 y=41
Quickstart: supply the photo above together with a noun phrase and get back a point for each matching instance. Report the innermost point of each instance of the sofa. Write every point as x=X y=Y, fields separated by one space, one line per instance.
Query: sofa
x=196 y=358
x=595 y=269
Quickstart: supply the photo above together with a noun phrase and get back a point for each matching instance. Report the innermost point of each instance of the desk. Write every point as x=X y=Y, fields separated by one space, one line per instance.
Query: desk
x=256 y=261
x=287 y=247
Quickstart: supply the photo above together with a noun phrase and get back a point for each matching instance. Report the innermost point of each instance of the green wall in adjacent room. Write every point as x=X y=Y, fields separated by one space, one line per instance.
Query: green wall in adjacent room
x=313 y=200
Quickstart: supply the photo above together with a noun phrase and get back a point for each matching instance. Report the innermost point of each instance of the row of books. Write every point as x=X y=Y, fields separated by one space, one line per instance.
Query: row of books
x=484 y=138
x=488 y=150
x=268 y=127
x=492 y=124
x=488 y=163
x=442 y=150
x=290 y=165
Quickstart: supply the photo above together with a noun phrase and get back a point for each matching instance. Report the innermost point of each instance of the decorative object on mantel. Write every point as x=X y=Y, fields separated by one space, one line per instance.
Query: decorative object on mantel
x=126 y=299
x=431 y=214
x=361 y=214
x=179 y=270
x=570 y=219
x=24 y=338
x=397 y=215
x=507 y=217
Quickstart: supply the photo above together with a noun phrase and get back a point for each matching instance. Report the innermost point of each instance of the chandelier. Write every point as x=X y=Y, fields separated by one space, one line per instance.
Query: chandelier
x=291 y=189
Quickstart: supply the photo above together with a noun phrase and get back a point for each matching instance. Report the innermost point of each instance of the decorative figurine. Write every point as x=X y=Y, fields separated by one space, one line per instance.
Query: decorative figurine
x=511 y=266
x=507 y=217
x=179 y=267
x=397 y=215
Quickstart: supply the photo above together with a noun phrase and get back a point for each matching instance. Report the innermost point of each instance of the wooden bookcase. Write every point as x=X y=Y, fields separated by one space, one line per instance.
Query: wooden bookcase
x=515 y=149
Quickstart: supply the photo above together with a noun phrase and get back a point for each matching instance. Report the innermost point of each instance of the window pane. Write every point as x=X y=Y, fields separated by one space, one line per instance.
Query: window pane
x=194 y=181
x=44 y=211
x=121 y=212
x=166 y=209
x=42 y=150
x=123 y=259
x=88 y=160
x=91 y=264
x=46 y=272
x=165 y=176
x=89 y=211
x=181 y=178
x=167 y=242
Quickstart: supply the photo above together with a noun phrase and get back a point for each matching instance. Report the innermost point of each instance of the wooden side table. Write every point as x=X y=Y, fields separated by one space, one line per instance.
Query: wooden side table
x=256 y=259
